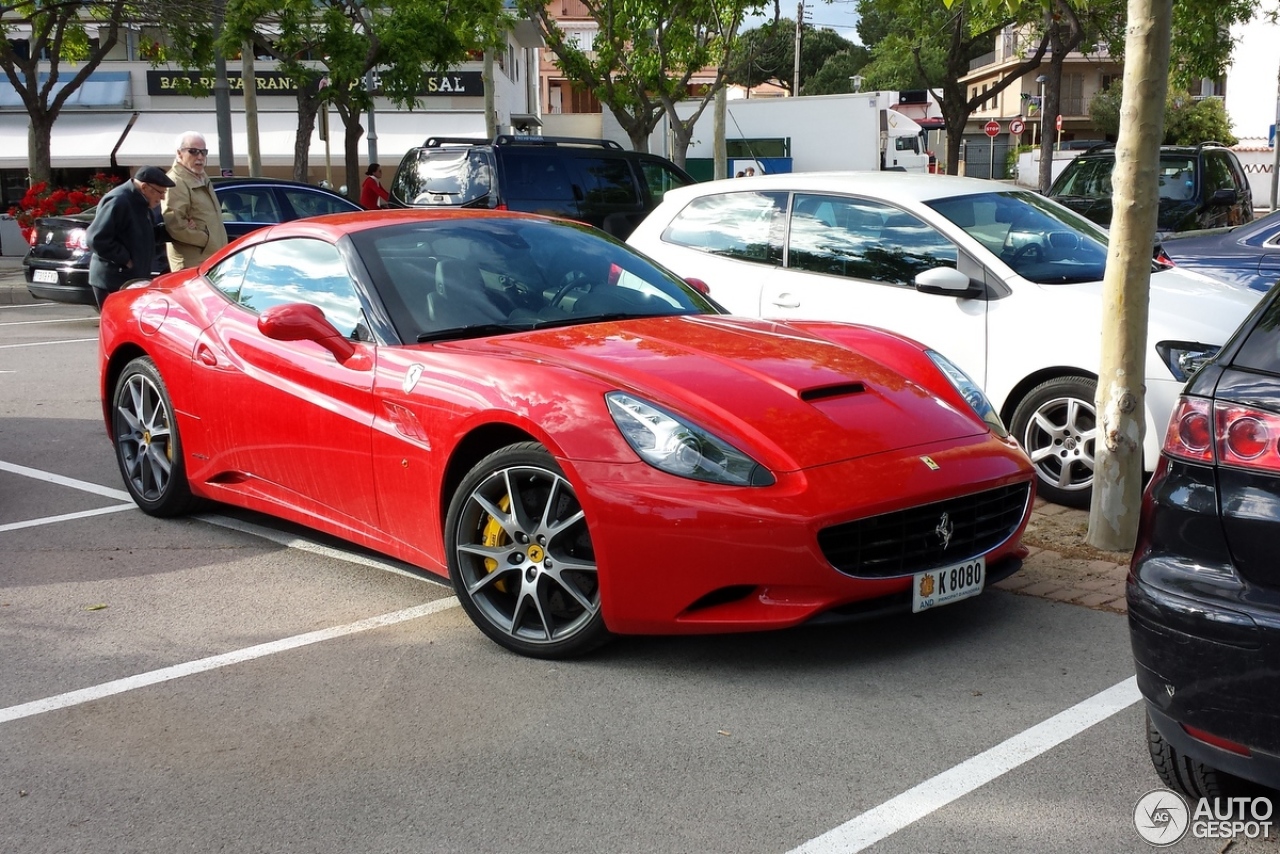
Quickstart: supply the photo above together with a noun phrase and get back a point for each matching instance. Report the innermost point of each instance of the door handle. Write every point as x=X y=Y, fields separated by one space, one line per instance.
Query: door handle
x=206 y=355
x=786 y=301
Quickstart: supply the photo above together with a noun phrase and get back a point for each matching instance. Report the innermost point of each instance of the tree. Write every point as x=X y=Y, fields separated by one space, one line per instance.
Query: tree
x=1187 y=121
x=941 y=38
x=645 y=54
x=833 y=77
x=328 y=46
x=768 y=53
x=74 y=38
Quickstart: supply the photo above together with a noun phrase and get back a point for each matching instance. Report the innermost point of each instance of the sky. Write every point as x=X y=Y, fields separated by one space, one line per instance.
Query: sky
x=839 y=15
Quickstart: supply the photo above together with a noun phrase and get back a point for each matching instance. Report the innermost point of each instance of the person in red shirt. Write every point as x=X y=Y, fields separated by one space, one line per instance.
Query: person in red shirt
x=372 y=196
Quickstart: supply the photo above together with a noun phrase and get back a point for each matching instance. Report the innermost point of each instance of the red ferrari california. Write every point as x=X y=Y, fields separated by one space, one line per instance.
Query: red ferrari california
x=584 y=444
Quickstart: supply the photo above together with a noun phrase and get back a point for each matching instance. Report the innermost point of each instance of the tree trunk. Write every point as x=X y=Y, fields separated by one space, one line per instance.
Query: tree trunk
x=351 y=151
x=39 y=134
x=1117 y=482
x=308 y=106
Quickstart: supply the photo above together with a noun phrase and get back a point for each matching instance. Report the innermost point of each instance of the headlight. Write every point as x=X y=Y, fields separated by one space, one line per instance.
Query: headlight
x=970 y=392
x=666 y=442
x=1184 y=358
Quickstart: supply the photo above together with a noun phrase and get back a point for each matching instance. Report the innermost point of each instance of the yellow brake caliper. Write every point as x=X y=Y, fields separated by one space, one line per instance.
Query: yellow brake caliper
x=494 y=536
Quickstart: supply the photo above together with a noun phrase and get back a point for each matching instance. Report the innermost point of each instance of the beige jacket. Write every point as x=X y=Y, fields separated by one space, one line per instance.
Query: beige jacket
x=192 y=217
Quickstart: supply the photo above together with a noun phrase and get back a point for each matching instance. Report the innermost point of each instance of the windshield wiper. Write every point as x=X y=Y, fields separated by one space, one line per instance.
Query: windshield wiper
x=474 y=331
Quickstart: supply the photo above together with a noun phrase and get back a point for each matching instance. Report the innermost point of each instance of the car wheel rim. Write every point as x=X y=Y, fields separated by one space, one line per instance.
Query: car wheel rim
x=524 y=556
x=1060 y=439
x=144 y=437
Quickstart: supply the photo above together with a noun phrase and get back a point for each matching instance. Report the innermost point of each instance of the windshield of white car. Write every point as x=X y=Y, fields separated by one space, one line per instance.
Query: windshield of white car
x=1040 y=240
x=471 y=276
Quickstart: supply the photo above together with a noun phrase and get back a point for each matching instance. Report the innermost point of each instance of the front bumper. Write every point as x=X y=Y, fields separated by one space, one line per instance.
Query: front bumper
x=678 y=557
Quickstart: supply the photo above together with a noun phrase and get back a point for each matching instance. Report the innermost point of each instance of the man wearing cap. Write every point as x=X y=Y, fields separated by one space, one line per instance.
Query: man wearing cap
x=191 y=211
x=122 y=234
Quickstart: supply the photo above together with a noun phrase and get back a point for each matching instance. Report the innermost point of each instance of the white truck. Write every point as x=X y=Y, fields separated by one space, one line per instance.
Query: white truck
x=815 y=132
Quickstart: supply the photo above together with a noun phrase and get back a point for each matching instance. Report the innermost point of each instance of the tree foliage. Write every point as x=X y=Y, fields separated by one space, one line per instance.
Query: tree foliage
x=74 y=38
x=645 y=54
x=768 y=53
x=1187 y=121
x=327 y=47
x=833 y=77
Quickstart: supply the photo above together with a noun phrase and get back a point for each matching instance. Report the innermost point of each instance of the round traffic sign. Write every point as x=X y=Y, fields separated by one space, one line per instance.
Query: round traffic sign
x=992 y=128
x=1058 y=123
x=1016 y=127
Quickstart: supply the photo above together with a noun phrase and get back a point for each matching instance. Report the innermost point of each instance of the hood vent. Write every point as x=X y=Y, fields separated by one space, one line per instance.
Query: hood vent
x=827 y=392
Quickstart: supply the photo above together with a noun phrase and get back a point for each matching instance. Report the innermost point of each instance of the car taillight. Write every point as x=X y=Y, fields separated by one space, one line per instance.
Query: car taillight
x=1162 y=258
x=77 y=240
x=31 y=235
x=1230 y=435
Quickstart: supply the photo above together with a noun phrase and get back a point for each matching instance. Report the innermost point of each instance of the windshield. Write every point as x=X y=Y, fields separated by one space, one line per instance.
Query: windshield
x=459 y=278
x=1041 y=240
x=443 y=176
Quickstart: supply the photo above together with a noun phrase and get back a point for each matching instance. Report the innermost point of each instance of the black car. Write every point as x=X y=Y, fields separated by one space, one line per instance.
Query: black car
x=1201 y=186
x=595 y=181
x=57 y=265
x=1204 y=583
x=1247 y=255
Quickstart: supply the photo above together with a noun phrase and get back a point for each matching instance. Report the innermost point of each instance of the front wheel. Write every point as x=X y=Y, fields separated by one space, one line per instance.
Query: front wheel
x=521 y=558
x=1057 y=426
x=147 y=445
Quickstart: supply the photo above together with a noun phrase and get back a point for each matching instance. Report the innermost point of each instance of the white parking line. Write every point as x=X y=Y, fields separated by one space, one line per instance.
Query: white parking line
x=30 y=305
x=46 y=343
x=914 y=804
x=54 y=320
x=177 y=671
x=50 y=477
x=66 y=517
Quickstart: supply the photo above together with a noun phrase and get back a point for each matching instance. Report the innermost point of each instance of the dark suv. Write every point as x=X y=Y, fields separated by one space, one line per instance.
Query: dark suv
x=1201 y=186
x=595 y=181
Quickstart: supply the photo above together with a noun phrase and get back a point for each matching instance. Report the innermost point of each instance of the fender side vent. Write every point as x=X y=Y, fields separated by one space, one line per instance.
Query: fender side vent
x=827 y=392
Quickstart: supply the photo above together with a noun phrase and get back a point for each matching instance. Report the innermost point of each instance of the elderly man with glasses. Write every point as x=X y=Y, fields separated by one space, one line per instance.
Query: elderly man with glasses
x=191 y=212
x=123 y=232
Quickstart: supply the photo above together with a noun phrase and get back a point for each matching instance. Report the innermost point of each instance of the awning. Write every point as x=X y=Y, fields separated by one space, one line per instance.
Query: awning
x=78 y=139
x=153 y=139
x=398 y=132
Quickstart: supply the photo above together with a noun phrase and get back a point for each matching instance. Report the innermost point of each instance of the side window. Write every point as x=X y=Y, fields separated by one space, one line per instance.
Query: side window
x=229 y=274
x=1217 y=175
x=535 y=176
x=302 y=270
x=1177 y=179
x=743 y=225
x=1261 y=350
x=249 y=204
x=607 y=180
x=659 y=177
x=309 y=203
x=862 y=239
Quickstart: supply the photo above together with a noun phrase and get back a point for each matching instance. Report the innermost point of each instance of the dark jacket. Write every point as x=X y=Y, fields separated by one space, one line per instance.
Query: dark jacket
x=122 y=231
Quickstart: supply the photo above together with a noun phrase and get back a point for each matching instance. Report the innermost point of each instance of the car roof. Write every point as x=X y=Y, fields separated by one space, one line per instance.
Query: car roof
x=899 y=186
x=334 y=226
x=221 y=182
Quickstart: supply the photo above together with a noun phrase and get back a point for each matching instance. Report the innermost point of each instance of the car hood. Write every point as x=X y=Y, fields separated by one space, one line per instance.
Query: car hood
x=764 y=384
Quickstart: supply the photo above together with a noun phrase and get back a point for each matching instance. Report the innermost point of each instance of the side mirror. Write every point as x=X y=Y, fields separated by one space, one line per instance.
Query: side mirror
x=1224 y=196
x=297 y=321
x=945 y=281
x=699 y=286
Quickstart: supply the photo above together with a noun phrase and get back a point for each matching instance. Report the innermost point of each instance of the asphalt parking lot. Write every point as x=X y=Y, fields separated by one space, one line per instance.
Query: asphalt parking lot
x=227 y=683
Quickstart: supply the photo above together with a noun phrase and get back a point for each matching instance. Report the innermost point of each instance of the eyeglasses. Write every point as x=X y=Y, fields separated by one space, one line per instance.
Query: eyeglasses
x=196 y=152
x=156 y=188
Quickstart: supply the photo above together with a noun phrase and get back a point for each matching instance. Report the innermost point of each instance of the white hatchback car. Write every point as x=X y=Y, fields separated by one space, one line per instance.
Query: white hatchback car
x=1004 y=282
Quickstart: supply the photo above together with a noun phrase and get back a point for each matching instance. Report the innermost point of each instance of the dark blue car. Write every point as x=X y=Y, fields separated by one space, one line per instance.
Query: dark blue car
x=57 y=265
x=1247 y=255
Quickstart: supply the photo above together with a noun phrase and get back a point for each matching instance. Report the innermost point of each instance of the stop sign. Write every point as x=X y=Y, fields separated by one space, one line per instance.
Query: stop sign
x=992 y=128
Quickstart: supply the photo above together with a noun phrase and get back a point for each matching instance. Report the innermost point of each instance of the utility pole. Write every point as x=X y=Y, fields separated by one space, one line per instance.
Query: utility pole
x=795 y=85
x=1275 y=148
x=222 y=99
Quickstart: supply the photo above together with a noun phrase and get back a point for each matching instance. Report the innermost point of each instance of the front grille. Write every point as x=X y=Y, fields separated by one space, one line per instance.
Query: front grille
x=910 y=541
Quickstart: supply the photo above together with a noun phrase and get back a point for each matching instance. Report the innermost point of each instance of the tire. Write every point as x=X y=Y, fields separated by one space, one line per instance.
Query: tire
x=147 y=444
x=520 y=556
x=1057 y=425
x=1191 y=778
